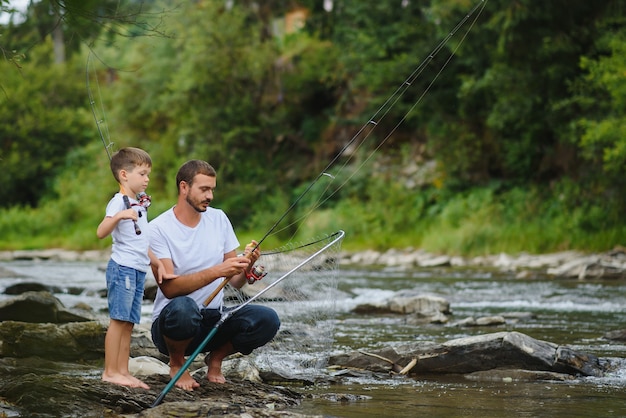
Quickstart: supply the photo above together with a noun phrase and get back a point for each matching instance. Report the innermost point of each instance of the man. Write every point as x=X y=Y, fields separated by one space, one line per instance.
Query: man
x=197 y=243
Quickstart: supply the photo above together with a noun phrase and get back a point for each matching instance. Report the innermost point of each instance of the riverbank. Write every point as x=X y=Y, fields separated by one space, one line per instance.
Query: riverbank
x=609 y=264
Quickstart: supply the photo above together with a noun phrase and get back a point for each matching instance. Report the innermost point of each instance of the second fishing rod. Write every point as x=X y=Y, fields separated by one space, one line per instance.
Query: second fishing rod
x=381 y=113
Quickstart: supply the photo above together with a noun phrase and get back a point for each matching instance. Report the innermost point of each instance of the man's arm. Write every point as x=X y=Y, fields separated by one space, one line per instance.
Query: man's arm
x=232 y=265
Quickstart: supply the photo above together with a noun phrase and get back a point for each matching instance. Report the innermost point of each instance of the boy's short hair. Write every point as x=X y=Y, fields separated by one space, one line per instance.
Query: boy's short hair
x=127 y=159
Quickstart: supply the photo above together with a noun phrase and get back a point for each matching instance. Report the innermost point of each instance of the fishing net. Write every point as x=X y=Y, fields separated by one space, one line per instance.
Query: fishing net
x=302 y=281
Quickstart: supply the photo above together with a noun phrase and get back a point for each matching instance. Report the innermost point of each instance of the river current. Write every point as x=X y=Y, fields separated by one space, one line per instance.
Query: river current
x=563 y=311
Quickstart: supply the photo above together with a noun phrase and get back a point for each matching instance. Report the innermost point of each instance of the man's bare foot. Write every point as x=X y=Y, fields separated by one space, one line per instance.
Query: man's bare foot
x=185 y=382
x=214 y=370
x=122 y=380
x=215 y=377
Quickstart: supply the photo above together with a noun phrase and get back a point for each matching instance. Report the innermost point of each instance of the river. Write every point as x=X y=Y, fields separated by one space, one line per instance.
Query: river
x=564 y=311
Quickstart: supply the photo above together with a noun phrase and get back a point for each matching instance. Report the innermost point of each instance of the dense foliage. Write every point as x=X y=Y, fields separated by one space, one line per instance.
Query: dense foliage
x=510 y=135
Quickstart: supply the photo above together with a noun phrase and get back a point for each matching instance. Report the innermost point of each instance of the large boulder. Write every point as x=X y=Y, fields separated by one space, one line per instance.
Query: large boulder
x=500 y=350
x=39 y=307
x=67 y=342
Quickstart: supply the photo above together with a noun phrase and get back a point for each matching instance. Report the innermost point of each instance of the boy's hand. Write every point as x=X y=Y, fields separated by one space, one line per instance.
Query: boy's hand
x=127 y=214
x=162 y=274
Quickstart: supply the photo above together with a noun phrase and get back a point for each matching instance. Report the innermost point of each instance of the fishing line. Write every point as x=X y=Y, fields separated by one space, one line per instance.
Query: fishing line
x=100 y=119
x=105 y=137
x=379 y=116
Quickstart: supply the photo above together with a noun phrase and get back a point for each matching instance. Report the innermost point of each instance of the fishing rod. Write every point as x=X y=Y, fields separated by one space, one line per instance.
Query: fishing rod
x=143 y=198
x=382 y=112
x=336 y=238
x=108 y=145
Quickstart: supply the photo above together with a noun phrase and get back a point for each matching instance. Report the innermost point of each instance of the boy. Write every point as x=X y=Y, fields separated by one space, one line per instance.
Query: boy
x=126 y=221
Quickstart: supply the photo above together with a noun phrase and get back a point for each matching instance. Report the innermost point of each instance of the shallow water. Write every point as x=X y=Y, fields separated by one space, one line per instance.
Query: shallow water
x=567 y=312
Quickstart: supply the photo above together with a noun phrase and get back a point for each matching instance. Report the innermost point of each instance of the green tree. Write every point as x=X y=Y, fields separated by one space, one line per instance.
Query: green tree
x=510 y=119
x=72 y=23
x=223 y=91
x=42 y=117
x=603 y=139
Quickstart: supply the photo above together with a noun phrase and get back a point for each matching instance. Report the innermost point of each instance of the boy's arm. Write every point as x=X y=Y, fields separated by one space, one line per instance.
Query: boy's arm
x=158 y=269
x=109 y=223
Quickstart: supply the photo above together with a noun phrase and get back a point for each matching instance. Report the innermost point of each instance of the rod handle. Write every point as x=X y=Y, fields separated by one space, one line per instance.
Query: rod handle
x=127 y=203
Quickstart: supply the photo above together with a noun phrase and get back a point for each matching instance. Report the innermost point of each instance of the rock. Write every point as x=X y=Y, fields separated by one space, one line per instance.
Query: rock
x=38 y=307
x=618 y=335
x=481 y=322
x=490 y=321
x=611 y=264
x=424 y=305
x=145 y=366
x=517 y=375
x=479 y=353
x=74 y=341
x=57 y=254
x=440 y=261
x=46 y=394
x=369 y=257
x=422 y=308
x=20 y=288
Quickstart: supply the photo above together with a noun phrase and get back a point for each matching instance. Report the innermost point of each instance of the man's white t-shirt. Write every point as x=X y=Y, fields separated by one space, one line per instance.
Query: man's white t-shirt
x=192 y=250
x=129 y=249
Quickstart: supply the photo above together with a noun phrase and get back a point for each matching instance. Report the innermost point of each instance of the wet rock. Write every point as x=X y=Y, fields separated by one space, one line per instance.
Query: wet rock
x=79 y=396
x=19 y=288
x=483 y=321
x=150 y=291
x=517 y=375
x=479 y=353
x=487 y=321
x=428 y=308
x=592 y=267
x=617 y=335
x=74 y=341
x=38 y=307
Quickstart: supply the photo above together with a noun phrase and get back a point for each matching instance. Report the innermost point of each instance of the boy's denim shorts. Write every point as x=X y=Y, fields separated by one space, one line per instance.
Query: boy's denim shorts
x=124 y=292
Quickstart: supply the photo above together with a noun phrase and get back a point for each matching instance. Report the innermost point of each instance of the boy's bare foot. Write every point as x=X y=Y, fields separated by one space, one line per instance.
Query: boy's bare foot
x=186 y=382
x=120 y=379
x=139 y=383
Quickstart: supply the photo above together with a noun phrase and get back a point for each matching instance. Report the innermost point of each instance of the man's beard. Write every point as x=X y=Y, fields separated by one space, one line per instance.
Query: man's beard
x=197 y=204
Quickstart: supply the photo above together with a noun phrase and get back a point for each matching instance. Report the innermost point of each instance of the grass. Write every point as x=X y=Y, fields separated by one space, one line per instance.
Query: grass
x=380 y=216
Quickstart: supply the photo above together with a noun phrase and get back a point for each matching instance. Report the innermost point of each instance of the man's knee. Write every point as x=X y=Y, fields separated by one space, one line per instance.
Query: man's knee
x=180 y=319
x=262 y=326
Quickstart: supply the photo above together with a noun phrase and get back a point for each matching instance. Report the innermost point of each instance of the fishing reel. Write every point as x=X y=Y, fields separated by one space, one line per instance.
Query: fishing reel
x=144 y=200
x=255 y=273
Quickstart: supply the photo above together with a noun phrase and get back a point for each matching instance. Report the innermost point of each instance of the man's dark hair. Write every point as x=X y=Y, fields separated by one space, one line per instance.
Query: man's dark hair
x=192 y=168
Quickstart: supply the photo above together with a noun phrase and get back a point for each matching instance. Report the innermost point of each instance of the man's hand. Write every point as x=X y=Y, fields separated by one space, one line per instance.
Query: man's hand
x=235 y=265
x=253 y=256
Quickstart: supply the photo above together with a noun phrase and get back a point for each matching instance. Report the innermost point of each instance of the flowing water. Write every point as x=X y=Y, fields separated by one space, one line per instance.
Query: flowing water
x=563 y=311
